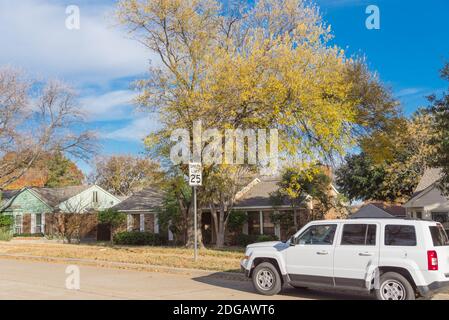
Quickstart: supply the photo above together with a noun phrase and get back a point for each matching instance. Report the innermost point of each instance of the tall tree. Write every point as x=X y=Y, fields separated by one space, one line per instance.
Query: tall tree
x=301 y=183
x=50 y=170
x=268 y=65
x=389 y=169
x=37 y=119
x=62 y=172
x=439 y=109
x=124 y=175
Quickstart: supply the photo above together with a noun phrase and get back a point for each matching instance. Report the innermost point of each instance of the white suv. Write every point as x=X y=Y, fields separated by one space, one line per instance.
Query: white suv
x=398 y=259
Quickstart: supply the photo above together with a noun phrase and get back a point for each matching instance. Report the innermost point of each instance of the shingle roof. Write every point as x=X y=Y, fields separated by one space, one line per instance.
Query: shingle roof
x=430 y=177
x=380 y=210
x=8 y=194
x=148 y=199
x=394 y=210
x=371 y=211
x=54 y=196
x=260 y=194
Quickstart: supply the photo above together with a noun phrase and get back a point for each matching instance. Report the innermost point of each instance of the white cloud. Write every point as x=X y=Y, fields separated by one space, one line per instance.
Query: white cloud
x=35 y=38
x=409 y=92
x=136 y=130
x=114 y=105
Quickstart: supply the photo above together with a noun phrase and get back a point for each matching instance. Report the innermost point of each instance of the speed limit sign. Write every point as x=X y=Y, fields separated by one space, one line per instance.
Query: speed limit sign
x=195 y=175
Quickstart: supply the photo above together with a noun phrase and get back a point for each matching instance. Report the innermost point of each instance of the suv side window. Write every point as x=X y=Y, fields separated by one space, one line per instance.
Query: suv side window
x=400 y=235
x=322 y=234
x=439 y=236
x=359 y=235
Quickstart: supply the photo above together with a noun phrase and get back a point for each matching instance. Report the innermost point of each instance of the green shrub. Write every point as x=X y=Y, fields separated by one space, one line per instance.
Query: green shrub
x=135 y=238
x=236 y=220
x=29 y=235
x=246 y=239
x=6 y=222
x=5 y=234
x=266 y=238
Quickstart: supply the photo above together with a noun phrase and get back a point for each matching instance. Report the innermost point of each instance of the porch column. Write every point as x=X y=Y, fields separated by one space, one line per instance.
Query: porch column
x=43 y=223
x=261 y=221
x=142 y=222
x=33 y=223
x=156 y=223
x=129 y=222
x=170 y=234
x=277 y=228
x=245 y=225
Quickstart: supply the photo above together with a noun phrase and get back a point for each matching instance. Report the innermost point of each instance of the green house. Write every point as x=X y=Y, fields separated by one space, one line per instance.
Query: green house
x=30 y=206
x=27 y=208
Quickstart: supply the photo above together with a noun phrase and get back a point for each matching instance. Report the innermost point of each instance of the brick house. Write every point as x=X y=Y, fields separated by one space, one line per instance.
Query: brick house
x=141 y=210
x=255 y=200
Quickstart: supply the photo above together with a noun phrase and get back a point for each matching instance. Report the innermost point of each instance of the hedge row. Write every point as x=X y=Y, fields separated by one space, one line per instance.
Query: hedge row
x=136 y=238
x=245 y=239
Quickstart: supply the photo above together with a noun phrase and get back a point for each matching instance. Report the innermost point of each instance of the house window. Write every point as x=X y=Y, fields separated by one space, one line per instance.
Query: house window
x=419 y=215
x=18 y=224
x=38 y=227
x=268 y=225
x=95 y=197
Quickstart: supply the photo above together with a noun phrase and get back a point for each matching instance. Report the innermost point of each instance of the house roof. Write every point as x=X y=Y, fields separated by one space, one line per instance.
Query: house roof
x=427 y=193
x=148 y=199
x=379 y=210
x=430 y=176
x=8 y=194
x=54 y=196
x=259 y=195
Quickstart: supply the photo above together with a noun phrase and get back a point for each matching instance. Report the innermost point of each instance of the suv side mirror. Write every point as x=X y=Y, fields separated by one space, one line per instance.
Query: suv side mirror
x=292 y=241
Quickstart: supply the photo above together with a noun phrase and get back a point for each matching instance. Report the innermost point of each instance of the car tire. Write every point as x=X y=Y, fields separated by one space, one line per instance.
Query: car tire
x=266 y=279
x=393 y=286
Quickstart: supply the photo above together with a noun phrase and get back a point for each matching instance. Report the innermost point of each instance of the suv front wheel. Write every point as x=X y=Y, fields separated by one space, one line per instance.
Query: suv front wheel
x=266 y=279
x=394 y=286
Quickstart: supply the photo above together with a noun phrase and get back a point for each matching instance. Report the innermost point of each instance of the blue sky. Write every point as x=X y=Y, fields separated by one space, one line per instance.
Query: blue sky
x=100 y=61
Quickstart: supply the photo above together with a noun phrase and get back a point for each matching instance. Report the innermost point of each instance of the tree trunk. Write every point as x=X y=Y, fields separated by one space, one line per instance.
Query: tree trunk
x=221 y=229
x=213 y=212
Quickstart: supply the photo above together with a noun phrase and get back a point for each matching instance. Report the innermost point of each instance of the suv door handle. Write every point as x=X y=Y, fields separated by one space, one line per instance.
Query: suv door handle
x=322 y=253
x=366 y=254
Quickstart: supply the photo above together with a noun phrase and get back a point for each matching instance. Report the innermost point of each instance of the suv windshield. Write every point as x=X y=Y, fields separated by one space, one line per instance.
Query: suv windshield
x=439 y=236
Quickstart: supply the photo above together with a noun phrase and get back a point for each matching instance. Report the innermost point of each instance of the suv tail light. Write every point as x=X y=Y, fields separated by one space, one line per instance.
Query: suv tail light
x=432 y=260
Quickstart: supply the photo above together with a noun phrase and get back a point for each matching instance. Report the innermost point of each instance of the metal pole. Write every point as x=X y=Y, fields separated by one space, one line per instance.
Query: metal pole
x=195 y=222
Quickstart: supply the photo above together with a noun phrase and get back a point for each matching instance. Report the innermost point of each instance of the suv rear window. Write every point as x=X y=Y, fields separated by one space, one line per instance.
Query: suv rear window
x=439 y=236
x=359 y=235
x=400 y=235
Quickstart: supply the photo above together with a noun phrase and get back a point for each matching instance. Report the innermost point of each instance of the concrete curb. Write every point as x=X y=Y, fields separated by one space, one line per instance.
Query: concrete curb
x=136 y=266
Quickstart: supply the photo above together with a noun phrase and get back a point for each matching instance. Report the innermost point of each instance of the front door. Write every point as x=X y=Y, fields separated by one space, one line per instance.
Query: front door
x=356 y=254
x=310 y=260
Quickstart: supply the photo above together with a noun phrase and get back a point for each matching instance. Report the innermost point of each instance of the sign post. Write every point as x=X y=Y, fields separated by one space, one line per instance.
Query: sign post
x=195 y=180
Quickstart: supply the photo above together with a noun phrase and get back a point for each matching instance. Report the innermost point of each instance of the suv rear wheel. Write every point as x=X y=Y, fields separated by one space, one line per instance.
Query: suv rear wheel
x=394 y=286
x=266 y=279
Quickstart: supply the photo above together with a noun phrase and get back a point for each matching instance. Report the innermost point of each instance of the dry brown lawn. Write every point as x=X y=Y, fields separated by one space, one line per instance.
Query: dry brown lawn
x=209 y=259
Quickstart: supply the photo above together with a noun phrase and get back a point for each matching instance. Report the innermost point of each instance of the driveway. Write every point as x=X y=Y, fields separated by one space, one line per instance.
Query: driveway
x=37 y=280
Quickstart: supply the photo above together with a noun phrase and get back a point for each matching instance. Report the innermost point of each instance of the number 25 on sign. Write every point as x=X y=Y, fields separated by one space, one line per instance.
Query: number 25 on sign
x=195 y=174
